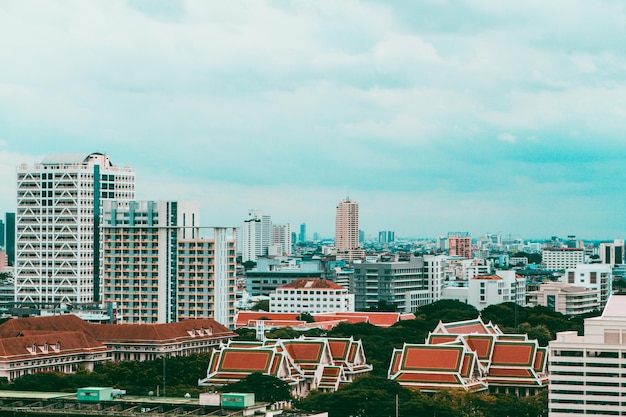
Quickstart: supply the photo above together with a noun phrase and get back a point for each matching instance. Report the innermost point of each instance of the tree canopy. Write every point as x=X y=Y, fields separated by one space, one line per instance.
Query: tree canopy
x=266 y=388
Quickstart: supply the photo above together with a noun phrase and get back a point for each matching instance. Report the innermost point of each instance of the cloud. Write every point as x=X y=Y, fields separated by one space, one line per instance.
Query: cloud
x=507 y=137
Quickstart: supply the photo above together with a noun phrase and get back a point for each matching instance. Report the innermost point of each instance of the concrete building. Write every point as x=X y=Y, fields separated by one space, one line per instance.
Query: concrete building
x=560 y=259
x=612 y=253
x=256 y=236
x=58 y=257
x=312 y=296
x=347 y=225
x=597 y=277
x=586 y=372
x=460 y=244
x=161 y=267
x=403 y=284
x=503 y=286
x=565 y=298
x=9 y=237
x=281 y=239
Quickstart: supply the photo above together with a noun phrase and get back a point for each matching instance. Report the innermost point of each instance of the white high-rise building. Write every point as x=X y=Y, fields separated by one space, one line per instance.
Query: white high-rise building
x=256 y=236
x=58 y=257
x=161 y=267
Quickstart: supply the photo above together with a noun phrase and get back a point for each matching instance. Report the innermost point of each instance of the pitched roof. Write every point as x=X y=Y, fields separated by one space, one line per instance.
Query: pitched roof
x=313 y=284
x=51 y=344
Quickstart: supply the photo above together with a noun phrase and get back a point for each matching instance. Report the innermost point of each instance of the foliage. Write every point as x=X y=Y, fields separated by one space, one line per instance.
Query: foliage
x=248 y=265
x=307 y=317
x=533 y=258
x=261 y=305
x=266 y=388
x=384 y=305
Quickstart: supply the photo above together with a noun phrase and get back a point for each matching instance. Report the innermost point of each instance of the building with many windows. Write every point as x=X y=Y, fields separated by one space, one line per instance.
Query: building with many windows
x=58 y=246
x=347 y=225
x=586 y=372
x=161 y=267
x=460 y=244
x=312 y=296
x=502 y=287
x=612 y=253
x=559 y=259
x=256 y=236
x=598 y=277
x=565 y=298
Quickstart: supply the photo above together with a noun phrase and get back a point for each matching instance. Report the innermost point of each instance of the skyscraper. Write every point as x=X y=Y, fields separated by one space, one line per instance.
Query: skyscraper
x=58 y=235
x=255 y=235
x=302 y=236
x=160 y=267
x=347 y=225
x=460 y=244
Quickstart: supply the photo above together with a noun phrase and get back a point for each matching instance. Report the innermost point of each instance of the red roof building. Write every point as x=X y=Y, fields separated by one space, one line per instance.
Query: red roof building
x=324 y=364
x=474 y=356
x=62 y=343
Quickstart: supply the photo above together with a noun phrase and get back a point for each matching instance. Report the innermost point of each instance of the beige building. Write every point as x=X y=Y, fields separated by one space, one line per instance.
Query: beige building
x=565 y=298
x=559 y=259
x=347 y=225
x=586 y=372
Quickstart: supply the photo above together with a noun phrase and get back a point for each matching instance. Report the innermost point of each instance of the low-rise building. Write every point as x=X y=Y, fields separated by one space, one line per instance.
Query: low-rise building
x=565 y=298
x=311 y=296
x=502 y=287
x=597 y=277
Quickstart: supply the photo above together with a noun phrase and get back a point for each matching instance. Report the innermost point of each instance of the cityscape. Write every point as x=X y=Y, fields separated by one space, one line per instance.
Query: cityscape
x=323 y=209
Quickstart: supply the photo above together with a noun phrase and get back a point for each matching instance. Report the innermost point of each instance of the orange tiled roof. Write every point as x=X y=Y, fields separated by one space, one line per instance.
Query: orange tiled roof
x=313 y=284
x=488 y=277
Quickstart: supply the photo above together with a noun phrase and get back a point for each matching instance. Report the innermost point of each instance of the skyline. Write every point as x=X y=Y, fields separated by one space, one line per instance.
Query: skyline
x=435 y=117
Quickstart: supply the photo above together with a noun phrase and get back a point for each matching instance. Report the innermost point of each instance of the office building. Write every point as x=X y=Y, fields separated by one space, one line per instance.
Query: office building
x=58 y=255
x=612 y=253
x=460 y=244
x=347 y=225
x=560 y=259
x=386 y=236
x=161 y=267
x=403 y=284
x=587 y=372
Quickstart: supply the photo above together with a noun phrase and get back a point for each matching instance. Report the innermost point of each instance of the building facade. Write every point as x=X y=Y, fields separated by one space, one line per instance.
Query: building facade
x=586 y=372
x=559 y=259
x=347 y=225
x=565 y=298
x=612 y=253
x=460 y=244
x=159 y=266
x=256 y=236
x=312 y=296
x=598 y=277
x=395 y=283
x=502 y=287
x=58 y=255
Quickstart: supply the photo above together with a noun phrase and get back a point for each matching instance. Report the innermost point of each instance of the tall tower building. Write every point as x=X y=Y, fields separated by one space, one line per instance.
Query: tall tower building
x=460 y=244
x=256 y=236
x=281 y=238
x=347 y=225
x=58 y=226
x=9 y=237
x=160 y=267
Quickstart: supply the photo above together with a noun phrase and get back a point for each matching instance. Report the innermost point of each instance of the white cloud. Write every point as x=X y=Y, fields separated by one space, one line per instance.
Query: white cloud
x=507 y=137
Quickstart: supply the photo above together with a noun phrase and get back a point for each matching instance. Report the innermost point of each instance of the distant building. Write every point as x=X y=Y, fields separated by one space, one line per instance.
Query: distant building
x=302 y=235
x=386 y=236
x=281 y=238
x=311 y=296
x=256 y=235
x=612 y=253
x=270 y=275
x=559 y=259
x=347 y=225
x=460 y=244
x=586 y=371
x=565 y=298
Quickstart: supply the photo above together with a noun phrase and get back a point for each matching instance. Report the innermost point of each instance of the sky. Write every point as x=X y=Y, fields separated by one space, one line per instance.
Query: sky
x=435 y=116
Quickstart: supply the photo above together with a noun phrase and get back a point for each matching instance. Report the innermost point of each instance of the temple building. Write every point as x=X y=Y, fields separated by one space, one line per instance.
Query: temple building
x=473 y=356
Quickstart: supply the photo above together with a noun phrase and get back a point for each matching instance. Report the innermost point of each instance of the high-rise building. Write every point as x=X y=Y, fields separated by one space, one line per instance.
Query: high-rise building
x=2 y=232
x=460 y=244
x=160 y=267
x=58 y=226
x=347 y=225
x=302 y=235
x=9 y=237
x=255 y=235
x=281 y=238
x=386 y=236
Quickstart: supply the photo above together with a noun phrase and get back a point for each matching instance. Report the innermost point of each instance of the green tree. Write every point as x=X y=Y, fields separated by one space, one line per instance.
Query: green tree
x=307 y=317
x=266 y=388
x=261 y=305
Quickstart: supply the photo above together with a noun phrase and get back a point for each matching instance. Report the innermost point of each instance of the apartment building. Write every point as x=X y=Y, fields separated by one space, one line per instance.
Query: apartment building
x=565 y=298
x=598 y=277
x=347 y=225
x=460 y=244
x=503 y=286
x=161 y=267
x=559 y=259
